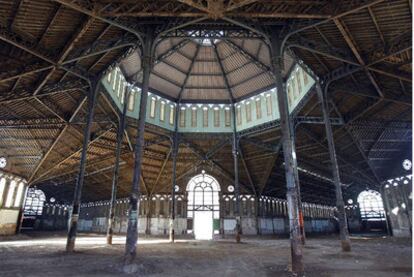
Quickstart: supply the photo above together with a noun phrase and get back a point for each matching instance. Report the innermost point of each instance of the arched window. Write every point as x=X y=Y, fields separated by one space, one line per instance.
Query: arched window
x=371 y=206
x=34 y=202
x=10 y=194
x=203 y=205
x=2 y=189
x=203 y=194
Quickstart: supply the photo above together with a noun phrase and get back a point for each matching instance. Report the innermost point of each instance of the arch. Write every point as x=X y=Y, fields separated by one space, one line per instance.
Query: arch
x=203 y=178
x=34 y=202
x=203 y=206
x=370 y=205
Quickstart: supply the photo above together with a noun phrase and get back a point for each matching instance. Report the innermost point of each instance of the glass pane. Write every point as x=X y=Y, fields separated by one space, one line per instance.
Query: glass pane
x=19 y=195
x=2 y=187
x=162 y=111
x=10 y=194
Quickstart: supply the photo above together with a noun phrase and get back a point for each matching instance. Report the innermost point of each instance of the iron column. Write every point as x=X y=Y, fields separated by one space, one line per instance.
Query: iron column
x=132 y=231
x=174 y=156
x=73 y=224
x=174 y=183
x=300 y=207
x=289 y=157
x=115 y=177
x=340 y=205
x=236 y=184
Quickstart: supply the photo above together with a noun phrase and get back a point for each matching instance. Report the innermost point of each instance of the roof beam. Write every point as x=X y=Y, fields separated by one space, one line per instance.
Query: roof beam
x=25 y=45
x=349 y=40
x=250 y=57
x=162 y=57
x=356 y=142
x=312 y=136
x=13 y=13
x=161 y=171
x=195 y=4
x=202 y=156
x=66 y=50
x=57 y=139
x=102 y=134
x=246 y=168
x=233 y=5
x=374 y=20
x=337 y=16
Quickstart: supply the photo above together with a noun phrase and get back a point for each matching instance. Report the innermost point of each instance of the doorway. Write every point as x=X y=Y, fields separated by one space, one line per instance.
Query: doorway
x=203 y=210
x=203 y=225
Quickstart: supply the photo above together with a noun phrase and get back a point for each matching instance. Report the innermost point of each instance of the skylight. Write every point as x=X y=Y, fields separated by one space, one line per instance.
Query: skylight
x=205 y=39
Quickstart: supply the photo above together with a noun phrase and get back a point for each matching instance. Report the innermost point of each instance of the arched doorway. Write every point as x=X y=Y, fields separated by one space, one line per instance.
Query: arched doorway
x=372 y=211
x=203 y=205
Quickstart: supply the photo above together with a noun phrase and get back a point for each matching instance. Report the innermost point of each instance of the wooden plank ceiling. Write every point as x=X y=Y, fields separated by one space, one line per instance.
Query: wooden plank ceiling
x=47 y=48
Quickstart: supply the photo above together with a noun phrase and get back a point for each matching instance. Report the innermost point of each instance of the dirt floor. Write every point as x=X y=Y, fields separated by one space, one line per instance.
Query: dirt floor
x=42 y=254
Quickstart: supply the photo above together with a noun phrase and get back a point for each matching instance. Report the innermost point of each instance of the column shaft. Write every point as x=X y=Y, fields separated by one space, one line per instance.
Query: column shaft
x=73 y=224
x=132 y=231
x=340 y=205
x=289 y=158
x=174 y=183
x=119 y=137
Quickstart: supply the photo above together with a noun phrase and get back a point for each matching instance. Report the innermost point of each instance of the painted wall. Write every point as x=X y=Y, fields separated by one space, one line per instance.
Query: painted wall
x=256 y=110
x=154 y=216
x=8 y=221
x=12 y=192
x=397 y=197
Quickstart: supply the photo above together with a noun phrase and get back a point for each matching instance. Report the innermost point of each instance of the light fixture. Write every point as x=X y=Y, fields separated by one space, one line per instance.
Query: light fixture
x=230 y=188
x=407 y=164
x=176 y=188
x=52 y=200
x=3 y=162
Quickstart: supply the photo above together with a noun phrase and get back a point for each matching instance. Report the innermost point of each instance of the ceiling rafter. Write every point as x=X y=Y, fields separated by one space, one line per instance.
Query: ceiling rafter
x=57 y=140
x=76 y=152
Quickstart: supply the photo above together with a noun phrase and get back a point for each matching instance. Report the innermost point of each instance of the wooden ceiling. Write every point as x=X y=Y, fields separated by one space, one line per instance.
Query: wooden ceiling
x=49 y=49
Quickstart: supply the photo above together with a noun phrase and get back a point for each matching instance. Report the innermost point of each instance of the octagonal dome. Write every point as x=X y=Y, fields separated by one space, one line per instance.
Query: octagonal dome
x=202 y=70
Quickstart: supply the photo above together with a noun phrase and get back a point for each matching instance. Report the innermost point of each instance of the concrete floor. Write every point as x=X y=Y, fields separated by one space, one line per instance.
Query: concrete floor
x=43 y=254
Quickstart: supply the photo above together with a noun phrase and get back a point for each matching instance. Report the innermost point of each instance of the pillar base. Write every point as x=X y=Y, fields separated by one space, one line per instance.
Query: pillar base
x=109 y=240
x=238 y=238
x=70 y=246
x=172 y=236
x=346 y=245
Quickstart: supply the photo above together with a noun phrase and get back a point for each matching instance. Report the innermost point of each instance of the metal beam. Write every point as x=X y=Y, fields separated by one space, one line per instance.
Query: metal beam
x=62 y=132
x=349 y=40
x=72 y=155
x=246 y=168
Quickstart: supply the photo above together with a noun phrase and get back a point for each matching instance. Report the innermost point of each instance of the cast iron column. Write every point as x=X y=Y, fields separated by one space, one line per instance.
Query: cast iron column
x=237 y=187
x=174 y=183
x=115 y=177
x=386 y=209
x=73 y=224
x=132 y=231
x=300 y=207
x=340 y=205
x=236 y=175
x=289 y=157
